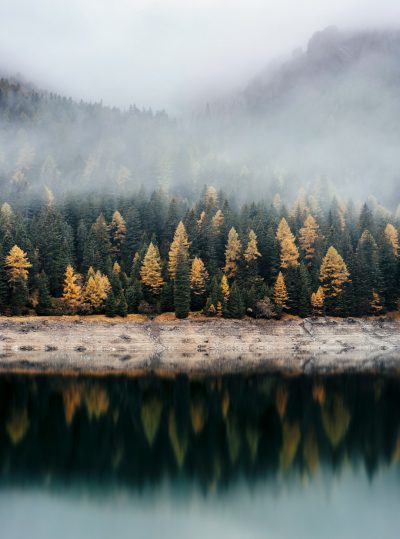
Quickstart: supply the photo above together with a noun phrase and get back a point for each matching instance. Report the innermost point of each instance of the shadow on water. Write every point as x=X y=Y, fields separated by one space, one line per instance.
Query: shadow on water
x=209 y=434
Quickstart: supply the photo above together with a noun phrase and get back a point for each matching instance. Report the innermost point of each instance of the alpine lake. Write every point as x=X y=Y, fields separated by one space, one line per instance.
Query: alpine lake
x=239 y=456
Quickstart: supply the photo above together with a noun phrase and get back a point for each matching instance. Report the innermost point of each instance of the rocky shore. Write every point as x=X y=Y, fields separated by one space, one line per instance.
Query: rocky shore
x=204 y=346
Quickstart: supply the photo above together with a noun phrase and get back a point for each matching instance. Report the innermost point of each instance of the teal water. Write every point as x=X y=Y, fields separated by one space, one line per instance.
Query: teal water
x=237 y=457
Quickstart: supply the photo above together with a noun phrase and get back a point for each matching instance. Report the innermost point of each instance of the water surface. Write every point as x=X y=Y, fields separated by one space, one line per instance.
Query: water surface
x=238 y=457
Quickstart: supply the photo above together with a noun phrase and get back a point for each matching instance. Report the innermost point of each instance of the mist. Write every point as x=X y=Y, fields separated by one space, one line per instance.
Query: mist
x=257 y=102
x=163 y=54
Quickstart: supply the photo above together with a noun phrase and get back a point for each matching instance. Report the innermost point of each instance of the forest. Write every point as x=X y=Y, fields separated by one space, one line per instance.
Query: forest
x=155 y=253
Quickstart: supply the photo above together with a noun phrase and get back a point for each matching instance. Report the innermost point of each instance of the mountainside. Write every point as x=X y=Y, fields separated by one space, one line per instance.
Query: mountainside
x=331 y=112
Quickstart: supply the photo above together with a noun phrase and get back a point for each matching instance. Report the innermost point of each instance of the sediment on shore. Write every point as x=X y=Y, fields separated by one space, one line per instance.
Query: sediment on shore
x=201 y=346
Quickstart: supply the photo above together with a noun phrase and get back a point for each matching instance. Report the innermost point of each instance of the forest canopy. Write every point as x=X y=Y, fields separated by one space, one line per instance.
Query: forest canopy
x=159 y=253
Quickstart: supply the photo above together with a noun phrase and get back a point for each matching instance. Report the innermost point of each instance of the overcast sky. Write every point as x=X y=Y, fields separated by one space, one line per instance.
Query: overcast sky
x=161 y=53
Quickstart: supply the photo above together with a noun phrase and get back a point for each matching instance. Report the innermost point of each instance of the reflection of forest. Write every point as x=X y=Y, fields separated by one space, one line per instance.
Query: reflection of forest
x=138 y=431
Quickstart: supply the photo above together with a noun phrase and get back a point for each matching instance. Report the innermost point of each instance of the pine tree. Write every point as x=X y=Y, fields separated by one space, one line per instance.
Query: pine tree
x=235 y=307
x=179 y=242
x=304 y=291
x=389 y=263
x=44 y=301
x=150 y=272
x=134 y=296
x=54 y=239
x=367 y=276
x=98 y=248
x=281 y=296
x=110 y=306
x=182 y=284
x=232 y=254
x=72 y=291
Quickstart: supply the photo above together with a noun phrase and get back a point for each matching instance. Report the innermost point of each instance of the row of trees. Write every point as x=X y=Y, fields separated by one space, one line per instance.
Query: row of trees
x=157 y=254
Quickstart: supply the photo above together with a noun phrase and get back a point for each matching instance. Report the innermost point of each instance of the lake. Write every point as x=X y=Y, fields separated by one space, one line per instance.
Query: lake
x=236 y=456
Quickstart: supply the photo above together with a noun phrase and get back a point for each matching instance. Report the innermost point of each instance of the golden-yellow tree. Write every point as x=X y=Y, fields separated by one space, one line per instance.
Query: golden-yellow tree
x=317 y=300
x=289 y=253
x=225 y=288
x=232 y=254
x=180 y=241
x=72 y=291
x=17 y=265
x=96 y=289
x=392 y=237
x=150 y=272
x=217 y=221
x=333 y=273
x=309 y=234
x=376 y=304
x=281 y=296
x=198 y=276
x=118 y=232
x=251 y=252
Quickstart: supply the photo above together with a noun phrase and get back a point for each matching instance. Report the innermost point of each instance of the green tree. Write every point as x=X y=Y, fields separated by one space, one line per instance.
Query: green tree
x=182 y=284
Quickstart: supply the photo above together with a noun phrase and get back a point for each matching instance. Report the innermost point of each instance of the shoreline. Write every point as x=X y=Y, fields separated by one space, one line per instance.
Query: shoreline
x=197 y=346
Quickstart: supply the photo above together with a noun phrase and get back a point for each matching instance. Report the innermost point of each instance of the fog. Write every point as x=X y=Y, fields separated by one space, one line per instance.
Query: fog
x=256 y=102
x=163 y=53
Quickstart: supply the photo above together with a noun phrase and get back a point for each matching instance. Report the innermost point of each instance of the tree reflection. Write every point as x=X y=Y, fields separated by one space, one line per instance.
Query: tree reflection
x=212 y=431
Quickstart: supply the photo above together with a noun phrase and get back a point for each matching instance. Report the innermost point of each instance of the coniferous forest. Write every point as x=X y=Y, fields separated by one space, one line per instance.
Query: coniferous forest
x=158 y=253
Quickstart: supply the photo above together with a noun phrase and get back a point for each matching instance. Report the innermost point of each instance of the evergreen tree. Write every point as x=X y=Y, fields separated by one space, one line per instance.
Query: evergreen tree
x=134 y=296
x=44 y=301
x=182 y=284
x=367 y=276
x=235 y=306
x=97 y=252
x=110 y=306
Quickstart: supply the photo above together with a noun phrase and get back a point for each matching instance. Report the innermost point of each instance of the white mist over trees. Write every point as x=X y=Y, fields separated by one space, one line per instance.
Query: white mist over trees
x=327 y=116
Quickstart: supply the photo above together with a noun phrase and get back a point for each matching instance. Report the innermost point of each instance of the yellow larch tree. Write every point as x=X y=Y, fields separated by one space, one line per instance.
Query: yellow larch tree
x=72 y=291
x=309 y=234
x=232 y=254
x=150 y=272
x=96 y=289
x=211 y=196
x=376 y=304
x=333 y=273
x=198 y=276
x=116 y=267
x=289 y=252
x=180 y=241
x=392 y=237
x=251 y=253
x=317 y=300
x=217 y=221
x=281 y=297
x=17 y=265
x=118 y=231
x=225 y=287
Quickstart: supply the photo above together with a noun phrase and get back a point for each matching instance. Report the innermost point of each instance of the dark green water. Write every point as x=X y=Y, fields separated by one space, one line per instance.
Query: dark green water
x=238 y=457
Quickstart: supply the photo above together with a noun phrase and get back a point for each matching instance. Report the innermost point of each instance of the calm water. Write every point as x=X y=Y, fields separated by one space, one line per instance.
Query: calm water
x=238 y=457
